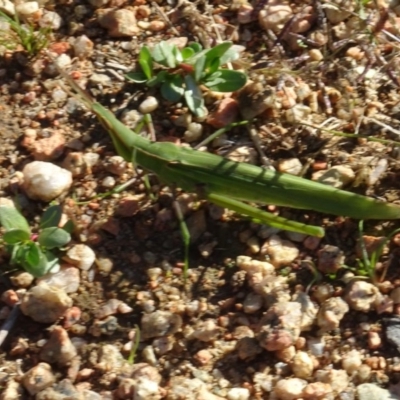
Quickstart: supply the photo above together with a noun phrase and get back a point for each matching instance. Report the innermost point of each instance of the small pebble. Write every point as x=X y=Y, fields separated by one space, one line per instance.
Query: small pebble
x=159 y=323
x=59 y=348
x=107 y=326
x=81 y=256
x=45 y=304
x=238 y=394
x=38 y=378
x=282 y=252
x=22 y=279
x=148 y=105
x=67 y=278
x=83 y=47
x=45 y=181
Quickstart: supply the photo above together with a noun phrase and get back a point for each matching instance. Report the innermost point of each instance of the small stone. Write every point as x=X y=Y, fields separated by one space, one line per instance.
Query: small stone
x=100 y=79
x=45 y=181
x=374 y=340
x=297 y=113
x=71 y=317
x=159 y=323
x=330 y=259
x=393 y=331
x=64 y=389
x=252 y=266
x=128 y=205
x=50 y=19
x=336 y=378
x=27 y=8
x=337 y=176
x=194 y=132
x=47 y=149
x=157 y=26
x=282 y=252
x=10 y=297
x=38 y=378
x=7 y=7
x=243 y=154
x=361 y=295
x=119 y=23
x=109 y=308
x=289 y=389
x=45 y=304
x=12 y=389
x=205 y=331
x=83 y=47
x=107 y=326
x=148 y=105
x=59 y=96
x=273 y=17
x=108 y=182
x=238 y=394
x=67 y=278
x=81 y=256
x=331 y=313
x=109 y=358
x=370 y=391
x=291 y=166
x=59 y=348
x=75 y=163
x=22 y=279
x=252 y=303
x=316 y=391
x=302 y=365
x=116 y=165
x=351 y=362
x=226 y=113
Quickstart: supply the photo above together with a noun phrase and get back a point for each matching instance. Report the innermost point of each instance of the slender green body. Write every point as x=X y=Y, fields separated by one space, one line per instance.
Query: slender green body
x=206 y=173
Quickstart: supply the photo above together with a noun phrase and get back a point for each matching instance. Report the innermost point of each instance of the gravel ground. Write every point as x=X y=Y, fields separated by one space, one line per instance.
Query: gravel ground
x=263 y=314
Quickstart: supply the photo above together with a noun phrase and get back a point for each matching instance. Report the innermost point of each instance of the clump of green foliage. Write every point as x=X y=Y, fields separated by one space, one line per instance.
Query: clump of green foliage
x=25 y=35
x=34 y=251
x=179 y=73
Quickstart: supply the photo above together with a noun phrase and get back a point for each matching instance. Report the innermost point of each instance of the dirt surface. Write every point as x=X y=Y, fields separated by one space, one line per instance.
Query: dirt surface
x=263 y=314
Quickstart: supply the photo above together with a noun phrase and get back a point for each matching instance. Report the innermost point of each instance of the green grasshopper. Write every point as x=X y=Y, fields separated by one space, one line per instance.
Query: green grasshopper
x=230 y=184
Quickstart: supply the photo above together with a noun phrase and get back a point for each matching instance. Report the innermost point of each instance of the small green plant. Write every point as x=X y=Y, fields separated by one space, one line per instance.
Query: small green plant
x=23 y=34
x=367 y=264
x=34 y=251
x=181 y=72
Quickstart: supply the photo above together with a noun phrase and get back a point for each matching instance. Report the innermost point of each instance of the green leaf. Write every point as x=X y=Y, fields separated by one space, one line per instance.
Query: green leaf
x=137 y=77
x=37 y=262
x=195 y=46
x=173 y=90
x=232 y=54
x=177 y=55
x=217 y=52
x=51 y=217
x=163 y=54
x=226 y=80
x=69 y=226
x=213 y=67
x=199 y=68
x=187 y=52
x=159 y=78
x=53 y=237
x=194 y=97
x=146 y=62
x=14 y=236
x=31 y=254
x=11 y=218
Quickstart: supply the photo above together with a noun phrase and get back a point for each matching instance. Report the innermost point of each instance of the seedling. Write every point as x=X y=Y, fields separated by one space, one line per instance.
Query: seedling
x=34 y=251
x=367 y=264
x=25 y=35
x=181 y=72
